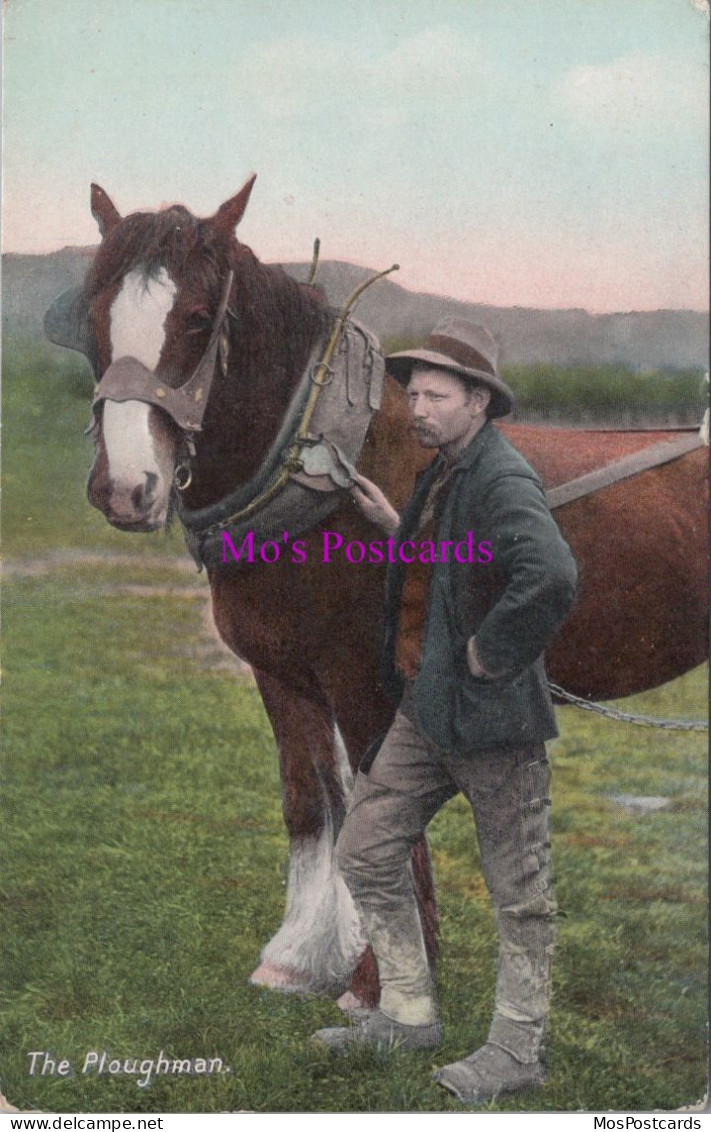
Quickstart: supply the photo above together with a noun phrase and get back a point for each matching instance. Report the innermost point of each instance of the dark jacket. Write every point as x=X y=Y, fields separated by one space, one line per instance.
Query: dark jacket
x=512 y=606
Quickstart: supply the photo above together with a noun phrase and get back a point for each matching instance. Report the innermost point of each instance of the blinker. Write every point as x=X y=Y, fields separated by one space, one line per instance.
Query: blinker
x=127 y=379
x=66 y=323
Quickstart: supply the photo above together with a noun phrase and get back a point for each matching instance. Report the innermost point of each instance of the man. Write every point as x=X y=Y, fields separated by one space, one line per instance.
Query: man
x=463 y=650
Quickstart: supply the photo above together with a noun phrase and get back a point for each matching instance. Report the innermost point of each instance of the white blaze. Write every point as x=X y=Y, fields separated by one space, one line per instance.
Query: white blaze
x=128 y=441
x=138 y=315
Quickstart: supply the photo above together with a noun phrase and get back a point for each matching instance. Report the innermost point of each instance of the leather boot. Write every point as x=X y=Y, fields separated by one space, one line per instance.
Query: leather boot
x=512 y=1059
x=407 y=1018
x=375 y=1029
x=488 y=1073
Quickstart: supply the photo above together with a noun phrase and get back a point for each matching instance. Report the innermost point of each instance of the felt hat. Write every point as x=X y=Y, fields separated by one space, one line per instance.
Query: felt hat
x=461 y=348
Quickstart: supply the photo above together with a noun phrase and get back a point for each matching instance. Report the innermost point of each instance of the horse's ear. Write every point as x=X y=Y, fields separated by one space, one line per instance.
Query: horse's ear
x=103 y=210
x=231 y=212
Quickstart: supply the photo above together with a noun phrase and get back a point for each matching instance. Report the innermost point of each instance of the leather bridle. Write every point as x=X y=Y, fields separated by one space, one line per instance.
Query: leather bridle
x=127 y=379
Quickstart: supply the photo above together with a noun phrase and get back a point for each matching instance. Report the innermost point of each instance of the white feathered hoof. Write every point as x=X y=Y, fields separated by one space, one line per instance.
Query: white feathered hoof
x=290 y=980
x=272 y=976
x=317 y=948
x=311 y=978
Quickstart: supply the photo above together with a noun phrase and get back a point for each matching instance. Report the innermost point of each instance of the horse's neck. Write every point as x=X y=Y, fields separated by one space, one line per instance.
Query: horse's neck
x=278 y=325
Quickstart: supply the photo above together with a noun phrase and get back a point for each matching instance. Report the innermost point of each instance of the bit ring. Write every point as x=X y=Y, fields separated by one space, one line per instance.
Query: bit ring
x=182 y=477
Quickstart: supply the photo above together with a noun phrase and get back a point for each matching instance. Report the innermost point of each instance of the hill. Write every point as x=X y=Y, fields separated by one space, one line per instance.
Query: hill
x=663 y=339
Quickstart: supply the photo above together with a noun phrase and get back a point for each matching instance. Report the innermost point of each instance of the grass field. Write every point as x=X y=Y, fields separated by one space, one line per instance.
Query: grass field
x=145 y=855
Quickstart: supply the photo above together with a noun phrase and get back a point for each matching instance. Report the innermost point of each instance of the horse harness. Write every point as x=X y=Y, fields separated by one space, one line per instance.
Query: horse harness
x=299 y=482
x=313 y=456
x=312 y=460
x=662 y=453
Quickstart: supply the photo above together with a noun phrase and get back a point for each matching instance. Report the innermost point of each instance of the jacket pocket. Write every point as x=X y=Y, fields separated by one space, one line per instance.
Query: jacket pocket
x=490 y=713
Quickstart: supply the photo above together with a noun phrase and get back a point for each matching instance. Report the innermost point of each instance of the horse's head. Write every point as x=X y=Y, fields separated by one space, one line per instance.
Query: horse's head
x=149 y=309
x=196 y=347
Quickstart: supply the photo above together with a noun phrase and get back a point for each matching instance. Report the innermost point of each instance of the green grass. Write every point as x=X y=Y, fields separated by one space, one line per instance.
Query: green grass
x=145 y=854
x=46 y=459
x=612 y=394
x=146 y=863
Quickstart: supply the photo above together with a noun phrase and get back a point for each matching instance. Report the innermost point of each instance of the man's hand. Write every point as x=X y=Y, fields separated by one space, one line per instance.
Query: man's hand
x=475 y=666
x=374 y=505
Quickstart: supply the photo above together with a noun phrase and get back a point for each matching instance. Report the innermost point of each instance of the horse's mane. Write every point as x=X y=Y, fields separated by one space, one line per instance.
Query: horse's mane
x=150 y=240
x=188 y=246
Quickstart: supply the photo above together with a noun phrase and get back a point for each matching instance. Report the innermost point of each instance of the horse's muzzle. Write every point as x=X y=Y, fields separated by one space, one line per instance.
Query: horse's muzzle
x=133 y=510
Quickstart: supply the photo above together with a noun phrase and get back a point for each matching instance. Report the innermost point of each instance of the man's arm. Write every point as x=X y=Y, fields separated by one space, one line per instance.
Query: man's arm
x=540 y=574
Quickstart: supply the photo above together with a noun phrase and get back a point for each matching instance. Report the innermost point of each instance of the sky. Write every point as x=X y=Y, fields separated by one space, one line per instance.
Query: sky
x=547 y=153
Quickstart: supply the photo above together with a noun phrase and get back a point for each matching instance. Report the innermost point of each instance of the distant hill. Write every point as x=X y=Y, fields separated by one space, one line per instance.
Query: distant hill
x=664 y=339
x=31 y=282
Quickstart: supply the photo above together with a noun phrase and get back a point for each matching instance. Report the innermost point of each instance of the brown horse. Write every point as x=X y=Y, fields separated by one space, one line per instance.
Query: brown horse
x=310 y=629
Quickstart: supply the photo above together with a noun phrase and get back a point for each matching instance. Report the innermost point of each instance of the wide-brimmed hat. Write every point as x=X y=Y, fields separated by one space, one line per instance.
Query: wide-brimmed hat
x=462 y=348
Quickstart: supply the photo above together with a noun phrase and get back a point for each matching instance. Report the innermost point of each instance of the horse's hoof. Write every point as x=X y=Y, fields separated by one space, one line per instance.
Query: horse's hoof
x=283 y=979
x=351 y=1004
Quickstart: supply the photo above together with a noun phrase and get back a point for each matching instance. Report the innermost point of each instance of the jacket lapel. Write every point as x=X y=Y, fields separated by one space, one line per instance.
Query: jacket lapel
x=423 y=483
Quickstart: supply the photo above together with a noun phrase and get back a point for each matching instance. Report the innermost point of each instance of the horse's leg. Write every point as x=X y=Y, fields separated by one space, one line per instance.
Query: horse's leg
x=317 y=947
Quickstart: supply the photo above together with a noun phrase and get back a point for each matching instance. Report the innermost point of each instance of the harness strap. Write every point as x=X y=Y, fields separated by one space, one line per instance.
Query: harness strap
x=220 y=514
x=642 y=461
x=285 y=458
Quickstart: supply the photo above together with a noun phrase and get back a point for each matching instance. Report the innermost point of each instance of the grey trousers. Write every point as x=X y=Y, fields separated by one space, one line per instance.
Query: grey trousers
x=391 y=805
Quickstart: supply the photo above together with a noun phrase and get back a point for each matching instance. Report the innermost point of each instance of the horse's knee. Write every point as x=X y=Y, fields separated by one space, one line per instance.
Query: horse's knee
x=305 y=815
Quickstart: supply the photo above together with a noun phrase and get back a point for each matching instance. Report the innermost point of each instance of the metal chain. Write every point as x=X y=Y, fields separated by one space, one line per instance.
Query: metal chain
x=625 y=717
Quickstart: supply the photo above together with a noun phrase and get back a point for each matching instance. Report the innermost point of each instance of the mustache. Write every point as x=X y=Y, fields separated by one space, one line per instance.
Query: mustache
x=423 y=434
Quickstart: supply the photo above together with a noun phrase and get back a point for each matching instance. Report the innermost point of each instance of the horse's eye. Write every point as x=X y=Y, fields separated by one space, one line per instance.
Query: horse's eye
x=198 y=322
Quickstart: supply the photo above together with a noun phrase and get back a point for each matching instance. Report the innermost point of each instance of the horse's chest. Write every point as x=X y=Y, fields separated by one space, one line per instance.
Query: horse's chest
x=276 y=619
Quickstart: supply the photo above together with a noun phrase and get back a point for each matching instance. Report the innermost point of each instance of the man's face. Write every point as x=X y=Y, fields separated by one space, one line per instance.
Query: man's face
x=443 y=409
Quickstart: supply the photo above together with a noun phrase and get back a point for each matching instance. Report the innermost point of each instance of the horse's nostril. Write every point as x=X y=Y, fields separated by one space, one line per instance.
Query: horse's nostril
x=150 y=486
x=142 y=496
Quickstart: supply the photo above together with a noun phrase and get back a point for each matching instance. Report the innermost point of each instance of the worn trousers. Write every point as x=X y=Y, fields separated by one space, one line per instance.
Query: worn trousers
x=391 y=805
